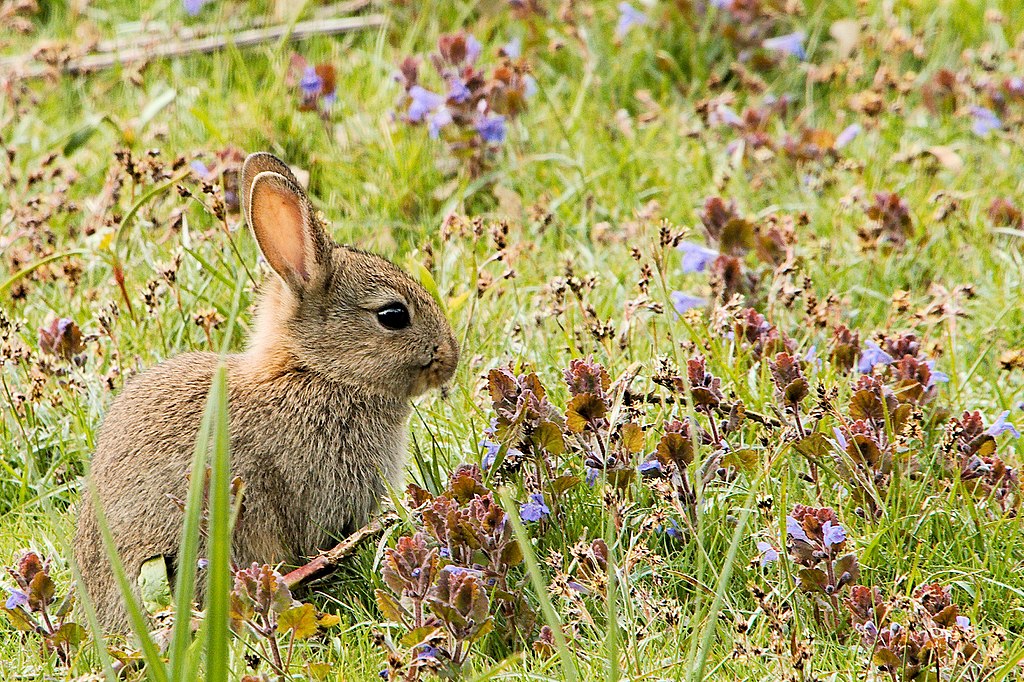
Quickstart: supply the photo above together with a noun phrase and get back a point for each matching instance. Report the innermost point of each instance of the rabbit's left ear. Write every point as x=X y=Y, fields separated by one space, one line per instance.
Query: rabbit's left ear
x=254 y=165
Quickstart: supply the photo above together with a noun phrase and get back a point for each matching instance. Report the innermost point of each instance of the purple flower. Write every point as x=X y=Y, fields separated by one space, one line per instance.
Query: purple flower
x=650 y=468
x=936 y=377
x=846 y=137
x=870 y=629
x=311 y=82
x=490 y=453
x=492 y=128
x=529 y=86
x=811 y=357
x=696 y=257
x=985 y=121
x=592 y=475
x=457 y=91
x=17 y=598
x=629 y=18
x=535 y=509
x=840 y=438
x=202 y=564
x=791 y=44
x=423 y=102
x=199 y=168
x=724 y=115
x=873 y=355
x=795 y=530
x=769 y=554
x=437 y=120
x=683 y=302
x=193 y=7
x=833 y=534
x=1002 y=426
x=671 y=529
x=963 y=622
x=473 y=49
x=513 y=48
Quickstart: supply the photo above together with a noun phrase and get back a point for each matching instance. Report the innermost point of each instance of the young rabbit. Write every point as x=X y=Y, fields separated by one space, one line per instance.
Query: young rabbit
x=319 y=402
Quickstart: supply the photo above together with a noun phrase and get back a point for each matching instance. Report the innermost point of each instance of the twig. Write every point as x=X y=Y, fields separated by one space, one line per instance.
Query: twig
x=246 y=38
x=328 y=561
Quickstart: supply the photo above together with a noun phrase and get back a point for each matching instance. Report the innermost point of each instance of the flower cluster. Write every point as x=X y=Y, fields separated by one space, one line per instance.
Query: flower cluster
x=33 y=606
x=473 y=112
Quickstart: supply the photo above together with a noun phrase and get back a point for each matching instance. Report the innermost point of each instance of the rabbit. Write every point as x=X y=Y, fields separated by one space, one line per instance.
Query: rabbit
x=319 y=403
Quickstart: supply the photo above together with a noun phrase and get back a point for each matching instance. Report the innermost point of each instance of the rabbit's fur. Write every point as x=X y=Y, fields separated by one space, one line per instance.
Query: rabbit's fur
x=318 y=404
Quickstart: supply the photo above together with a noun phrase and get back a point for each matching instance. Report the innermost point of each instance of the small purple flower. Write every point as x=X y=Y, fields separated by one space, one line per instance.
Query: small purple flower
x=870 y=629
x=17 y=598
x=847 y=136
x=671 y=529
x=1016 y=86
x=985 y=121
x=833 y=534
x=769 y=554
x=529 y=86
x=513 y=48
x=724 y=115
x=202 y=564
x=790 y=44
x=936 y=377
x=873 y=355
x=427 y=651
x=492 y=128
x=457 y=91
x=811 y=357
x=423 y=102
x=651 y=468
x=696 y=257
x=311 y=82
x=473 y=49
x=592 y=475
x=535 y=509
x=199 y=168
x=629 y=18
x=193 y=7
x=437 y=120
x=1002 y=426
x=683 y=301
x=840 y=438
x=963 y=622
x=795 y=530
x=490 y=453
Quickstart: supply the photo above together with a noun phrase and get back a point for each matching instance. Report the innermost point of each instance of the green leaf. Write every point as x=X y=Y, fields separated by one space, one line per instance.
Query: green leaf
x=154 y=586
x=155 y=106
x=81 y=136
x=418 y=636
x=548 y=437
x=299 y=619
x=389 y=606
x=632 y=438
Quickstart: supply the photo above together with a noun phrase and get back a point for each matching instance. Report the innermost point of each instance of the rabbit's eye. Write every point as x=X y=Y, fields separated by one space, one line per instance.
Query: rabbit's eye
x=393 y=316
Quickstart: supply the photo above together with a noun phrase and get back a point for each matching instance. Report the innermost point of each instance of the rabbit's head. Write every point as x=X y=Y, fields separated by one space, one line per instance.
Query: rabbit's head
x=345 y=314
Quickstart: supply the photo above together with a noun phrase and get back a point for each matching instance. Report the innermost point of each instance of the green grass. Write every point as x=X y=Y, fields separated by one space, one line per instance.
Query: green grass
x=591 y=155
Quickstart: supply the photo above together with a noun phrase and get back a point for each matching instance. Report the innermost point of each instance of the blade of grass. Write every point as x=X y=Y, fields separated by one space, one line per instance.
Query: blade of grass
x=569 y=671
x=218 y=585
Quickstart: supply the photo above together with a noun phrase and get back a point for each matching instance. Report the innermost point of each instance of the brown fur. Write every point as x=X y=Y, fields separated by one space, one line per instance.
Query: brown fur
x=318 y=404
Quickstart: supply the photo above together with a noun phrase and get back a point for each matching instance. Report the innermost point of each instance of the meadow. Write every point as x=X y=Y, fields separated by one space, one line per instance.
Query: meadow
x=737 y=286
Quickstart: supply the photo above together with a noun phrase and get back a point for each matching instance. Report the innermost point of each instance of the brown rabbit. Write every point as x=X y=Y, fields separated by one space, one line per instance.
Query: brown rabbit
x=318 y=402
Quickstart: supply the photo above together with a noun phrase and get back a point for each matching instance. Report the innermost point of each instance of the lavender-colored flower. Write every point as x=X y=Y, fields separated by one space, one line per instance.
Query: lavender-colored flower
x=651 y=468
x=629 y=18
x=328 y=101
x=535 y=509
x=721 y=4
x=473 y=49
x=769 y=554
x=791 y=44
x=437 y=120
x=490 y=453
x=492 y=128
x=873 y=355
x=682 y=301
x=870 y=629
x=795 y=530
x=963 y=622
x=199 y=168
x=840 y=438
x=311 y=82
x=457 y=91
x=1002 y=426
x=696 y=257
x=513 y=48
x=592 y=475
x=936 y=377
x=17 y=598
x=985 y=121
x=832 y=534
x=202 y=564
x=423 y=102
x=811 y=357
x=529 y=86
x=427 y=651
x=847 y=136
x=193 y=7
x=724 y=115
x=1016 y=86
x=671 y=529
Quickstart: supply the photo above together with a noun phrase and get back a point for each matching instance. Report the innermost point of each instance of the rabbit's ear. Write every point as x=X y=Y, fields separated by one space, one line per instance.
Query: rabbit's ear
x=290 y=238
x=254 y=165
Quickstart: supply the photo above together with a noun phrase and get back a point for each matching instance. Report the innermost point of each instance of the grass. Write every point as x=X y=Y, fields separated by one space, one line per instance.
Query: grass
x=613 y=141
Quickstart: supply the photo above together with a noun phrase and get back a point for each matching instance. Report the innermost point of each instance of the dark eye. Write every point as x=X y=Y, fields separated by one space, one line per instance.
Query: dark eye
x=393 y=316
